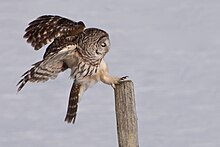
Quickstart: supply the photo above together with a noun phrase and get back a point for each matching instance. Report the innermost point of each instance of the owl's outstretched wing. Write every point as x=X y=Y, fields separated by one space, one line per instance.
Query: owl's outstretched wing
x=47 y=27
x=48 y=68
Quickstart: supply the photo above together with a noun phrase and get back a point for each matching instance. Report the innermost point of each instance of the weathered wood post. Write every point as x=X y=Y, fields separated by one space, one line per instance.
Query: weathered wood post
x=126 y=114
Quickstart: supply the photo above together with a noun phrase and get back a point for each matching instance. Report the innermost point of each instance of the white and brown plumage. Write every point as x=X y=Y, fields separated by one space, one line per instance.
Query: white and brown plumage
x=73 y=47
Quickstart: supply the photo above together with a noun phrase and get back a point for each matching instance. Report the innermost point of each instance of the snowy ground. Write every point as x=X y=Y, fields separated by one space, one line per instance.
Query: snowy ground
x=169 y=48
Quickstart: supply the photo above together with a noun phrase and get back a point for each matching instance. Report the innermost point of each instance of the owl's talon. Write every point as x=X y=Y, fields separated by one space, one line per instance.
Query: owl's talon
x=113 y=86
x=123 y=78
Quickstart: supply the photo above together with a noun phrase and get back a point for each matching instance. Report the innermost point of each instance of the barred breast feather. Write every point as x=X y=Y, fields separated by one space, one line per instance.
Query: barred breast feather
x=83 y=69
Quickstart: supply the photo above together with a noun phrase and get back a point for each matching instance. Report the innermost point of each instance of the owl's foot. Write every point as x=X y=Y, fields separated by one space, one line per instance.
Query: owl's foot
x=119 y=80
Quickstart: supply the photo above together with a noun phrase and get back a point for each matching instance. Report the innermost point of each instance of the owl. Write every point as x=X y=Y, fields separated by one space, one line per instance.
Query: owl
x=71 y=47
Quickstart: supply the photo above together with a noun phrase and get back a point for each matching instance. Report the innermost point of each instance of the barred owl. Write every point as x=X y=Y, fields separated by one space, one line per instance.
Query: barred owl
x=71 y=47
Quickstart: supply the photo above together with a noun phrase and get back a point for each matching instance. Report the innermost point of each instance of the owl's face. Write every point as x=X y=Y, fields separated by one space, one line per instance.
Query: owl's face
x=94 y=43
x=103 y=46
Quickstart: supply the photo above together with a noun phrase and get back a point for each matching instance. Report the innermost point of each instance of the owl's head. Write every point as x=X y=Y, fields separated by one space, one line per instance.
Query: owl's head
x=93 y=43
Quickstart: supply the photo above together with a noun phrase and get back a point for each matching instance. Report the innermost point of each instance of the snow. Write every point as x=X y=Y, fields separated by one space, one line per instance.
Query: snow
x=169 y=48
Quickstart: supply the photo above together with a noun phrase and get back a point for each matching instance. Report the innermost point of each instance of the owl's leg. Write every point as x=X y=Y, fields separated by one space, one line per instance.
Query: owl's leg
x=75 y=94
x=106 y=77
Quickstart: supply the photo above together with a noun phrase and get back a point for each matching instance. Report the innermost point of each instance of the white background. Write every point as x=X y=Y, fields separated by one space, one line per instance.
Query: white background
x=169 y=48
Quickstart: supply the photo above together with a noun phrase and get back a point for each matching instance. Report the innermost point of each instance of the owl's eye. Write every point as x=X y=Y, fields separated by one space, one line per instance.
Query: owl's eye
x=103 y=44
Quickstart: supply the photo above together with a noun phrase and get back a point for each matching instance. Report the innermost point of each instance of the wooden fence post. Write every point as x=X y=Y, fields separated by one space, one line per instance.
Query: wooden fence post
x=126 y=116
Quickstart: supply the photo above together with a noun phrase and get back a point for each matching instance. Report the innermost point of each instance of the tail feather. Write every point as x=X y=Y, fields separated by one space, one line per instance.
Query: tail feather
x=73 y=103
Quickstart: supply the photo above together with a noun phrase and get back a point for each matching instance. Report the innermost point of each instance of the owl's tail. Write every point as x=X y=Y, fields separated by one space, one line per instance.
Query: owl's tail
x=73 y=102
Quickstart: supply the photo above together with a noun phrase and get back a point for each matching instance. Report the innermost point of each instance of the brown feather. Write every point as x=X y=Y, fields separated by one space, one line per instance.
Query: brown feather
x=48 y=27
x=73 y=103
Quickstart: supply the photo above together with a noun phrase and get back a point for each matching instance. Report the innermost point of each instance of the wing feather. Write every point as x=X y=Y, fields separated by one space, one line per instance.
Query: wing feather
x=59 y=44
x=48 y=68
x=47 y=27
